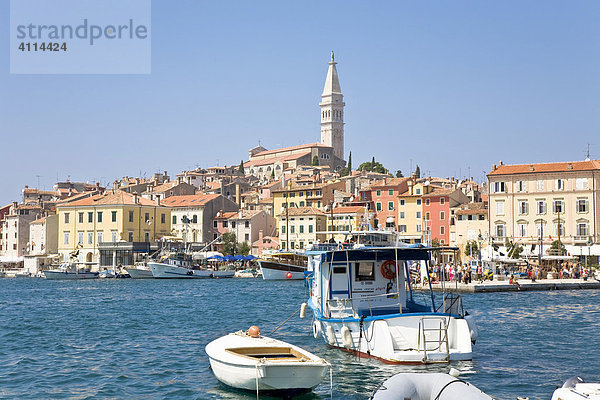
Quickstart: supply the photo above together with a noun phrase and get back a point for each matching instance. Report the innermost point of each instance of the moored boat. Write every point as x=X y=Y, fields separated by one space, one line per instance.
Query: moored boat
x=246 y=360
x=282 y=266
x=69 y=271
x=576 y=389
x=139 y=271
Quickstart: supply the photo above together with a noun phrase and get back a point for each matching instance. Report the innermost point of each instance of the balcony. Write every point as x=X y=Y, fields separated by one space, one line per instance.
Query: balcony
x=581 y=239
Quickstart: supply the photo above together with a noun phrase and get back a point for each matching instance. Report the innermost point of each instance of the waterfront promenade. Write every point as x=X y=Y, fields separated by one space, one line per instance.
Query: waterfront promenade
x=521 y=285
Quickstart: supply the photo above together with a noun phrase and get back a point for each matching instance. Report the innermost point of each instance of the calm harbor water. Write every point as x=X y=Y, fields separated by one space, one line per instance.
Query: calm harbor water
x=145 y=339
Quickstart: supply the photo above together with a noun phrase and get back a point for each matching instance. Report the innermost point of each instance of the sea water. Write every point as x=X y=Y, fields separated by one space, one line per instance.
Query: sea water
x=145 y=339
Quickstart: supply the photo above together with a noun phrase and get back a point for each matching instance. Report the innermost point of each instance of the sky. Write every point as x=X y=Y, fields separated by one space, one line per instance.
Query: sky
x=453 y=87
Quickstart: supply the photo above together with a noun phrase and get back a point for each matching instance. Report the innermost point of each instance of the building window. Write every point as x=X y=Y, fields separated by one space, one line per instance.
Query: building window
x=66 y=218
x=146 y=217
x=418 y=214
x=310 y=228
x=378 y=192
x=523 y=207
x=540 y=185
x=130 y=216
x=522 y=229
x=225 y=224
x=402 y=202
x=418 y=202
x=99 y=237
x=390 y=205
x=539 y=228
x=90 y=237
x=520 y=186
x=79 y=237
x=283 y=229
x=582 y=205
x=559 y=229
x=301 y=228
x=442 y=215
x=418 y=191
x=293 y=229
x=581 y=183
x=500 y=208
x=131 y=236
x=194 y=219
x=80 y=220
x=427 y=216
x=113 y=236
x=558 y=206
x=113 y=216
x=402 y=228
x=175 y=220
x=499 y=187
x=90 y=217
x=66 y=237
x=146 y=236
x=559 y=184
x=247 y=224
x=99 y=216
x=442 y=200
x=427 y=202
x=442 y=230
x=500 y=230
x=541 y=207
x=582 y=229
x=418 y=227
x=232 y=224
x=390 y=192
x=246 y=237
x=163 y=218
x=378 y=206
x=401 y=214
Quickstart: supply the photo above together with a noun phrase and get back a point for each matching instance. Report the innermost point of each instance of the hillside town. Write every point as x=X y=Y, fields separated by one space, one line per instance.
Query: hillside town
x=294 y=197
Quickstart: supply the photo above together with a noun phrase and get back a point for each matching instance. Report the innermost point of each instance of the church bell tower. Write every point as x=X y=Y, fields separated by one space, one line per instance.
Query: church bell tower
x=332 y=112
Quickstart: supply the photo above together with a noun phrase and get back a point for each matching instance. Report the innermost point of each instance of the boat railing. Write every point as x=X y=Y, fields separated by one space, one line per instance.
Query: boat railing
x=332 y=246
x=432 y=336
x=371 y=305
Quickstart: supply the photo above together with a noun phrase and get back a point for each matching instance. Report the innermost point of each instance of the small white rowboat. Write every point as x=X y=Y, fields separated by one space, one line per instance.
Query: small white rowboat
x=576 y=389
x=264 y=364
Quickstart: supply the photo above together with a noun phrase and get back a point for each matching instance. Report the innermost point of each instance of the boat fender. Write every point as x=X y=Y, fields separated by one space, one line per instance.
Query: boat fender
x=472 y=328
x=254 y=331
x=346 y=337
x=316 y=329
x=330 y=335
x=303 y=310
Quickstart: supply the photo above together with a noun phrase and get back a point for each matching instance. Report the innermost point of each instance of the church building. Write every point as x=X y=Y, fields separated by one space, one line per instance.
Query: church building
x=265 y=163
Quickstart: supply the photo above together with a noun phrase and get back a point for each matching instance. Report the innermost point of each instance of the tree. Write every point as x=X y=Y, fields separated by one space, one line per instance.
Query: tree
x=273 y=174
x=399 y=174
x=244 y=248
x=241 y=167
x=349 y=166
x=315 y=161
x=229 y=243
x=555 y=250
x=417 y=172
x=436 y=253
x=373 y=166
x=471 y=248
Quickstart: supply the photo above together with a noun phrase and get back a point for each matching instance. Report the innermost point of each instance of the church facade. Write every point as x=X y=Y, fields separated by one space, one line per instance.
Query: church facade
x=266 y=164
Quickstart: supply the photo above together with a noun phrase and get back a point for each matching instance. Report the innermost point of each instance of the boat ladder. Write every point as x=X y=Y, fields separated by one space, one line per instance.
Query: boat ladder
x=428 y=327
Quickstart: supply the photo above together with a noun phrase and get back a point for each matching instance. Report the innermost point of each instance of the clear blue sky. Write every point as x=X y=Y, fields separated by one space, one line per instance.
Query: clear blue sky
x=448 y=85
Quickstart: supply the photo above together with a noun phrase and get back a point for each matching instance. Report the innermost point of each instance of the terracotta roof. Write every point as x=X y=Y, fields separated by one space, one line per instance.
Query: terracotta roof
x=546 y=167
x=38 y=221
x=312 y=186
x=440 y=192
x=29 y=207
x=226 y=215
x=471 y=209
x=269 y=161
x=388 y=182
x=37 y=191
x=348 y=210
x=291 y=148
x=192 y=200
x=164 y=187
x=75 y=196
x=213 y=185
x=116 y=197
x=273 y=239
x=300 y=211
x=246 y=214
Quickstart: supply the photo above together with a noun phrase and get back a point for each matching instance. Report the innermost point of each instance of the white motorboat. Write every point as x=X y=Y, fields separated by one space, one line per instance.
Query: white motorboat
x=246 y=273
x=165 y=271
x=427 y=386
x=260 y=363
x=68 y=271
x=139 y=271
x=362 y=301
x=283 y=266
x=576 y=389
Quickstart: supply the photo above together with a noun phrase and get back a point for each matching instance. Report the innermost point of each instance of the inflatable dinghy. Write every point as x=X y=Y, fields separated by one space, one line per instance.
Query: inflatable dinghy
x=427 y=386
x=575 y=388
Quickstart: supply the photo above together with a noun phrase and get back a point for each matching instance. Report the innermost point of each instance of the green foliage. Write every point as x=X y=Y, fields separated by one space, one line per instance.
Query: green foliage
x=436 y=253
x=417 y=172
x=349 y=166
x=244 y=248
x=315 y=161
x=241 y=167
x=471 y=248
x=373 y=166
x=229 y=243
x=399 y=174
x=273 y=174
x=556 y=250
x=514 y=249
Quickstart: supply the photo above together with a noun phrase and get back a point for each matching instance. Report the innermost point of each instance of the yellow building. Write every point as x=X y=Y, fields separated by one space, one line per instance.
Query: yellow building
x=316 y=195
x=351 y=218
x=113 y=216
x=410 y=212
x=300 y=227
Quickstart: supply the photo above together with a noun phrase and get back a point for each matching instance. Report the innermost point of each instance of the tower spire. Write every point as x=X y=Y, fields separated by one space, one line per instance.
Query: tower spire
x=332 y=111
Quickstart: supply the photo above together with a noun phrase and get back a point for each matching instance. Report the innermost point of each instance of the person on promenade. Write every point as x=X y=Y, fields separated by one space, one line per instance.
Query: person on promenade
x=513 y=281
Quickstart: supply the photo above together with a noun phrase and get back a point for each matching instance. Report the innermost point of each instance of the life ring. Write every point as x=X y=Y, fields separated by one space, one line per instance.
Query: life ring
x=388 y=269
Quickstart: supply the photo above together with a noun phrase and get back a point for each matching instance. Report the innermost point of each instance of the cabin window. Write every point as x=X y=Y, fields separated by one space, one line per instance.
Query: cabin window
x=339 y=270
x=365 y=271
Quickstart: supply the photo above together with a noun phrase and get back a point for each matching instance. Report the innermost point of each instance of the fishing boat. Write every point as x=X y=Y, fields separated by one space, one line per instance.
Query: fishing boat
x=247 y=360
x=576 y=389
x=362 y=301
x=139 y=270
x=427 y=386
x=180 y=265
x=282 y=266
x=70 y=270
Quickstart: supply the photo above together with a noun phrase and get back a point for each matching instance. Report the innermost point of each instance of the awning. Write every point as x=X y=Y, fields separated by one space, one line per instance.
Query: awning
x=11 y=259
x=390 y=219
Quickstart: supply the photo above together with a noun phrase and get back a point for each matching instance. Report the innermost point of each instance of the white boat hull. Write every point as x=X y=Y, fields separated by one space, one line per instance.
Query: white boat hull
x=139 y=273
x=274 y=271
x=244 y=372
x=167 y=271
x=427 y=386
x=60 y=275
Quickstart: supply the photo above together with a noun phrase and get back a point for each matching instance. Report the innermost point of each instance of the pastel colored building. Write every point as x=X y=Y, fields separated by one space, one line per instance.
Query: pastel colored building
x=383 y=196
x=437 y=216
x=344 y=219
x=410 y=212
x=300 y=226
